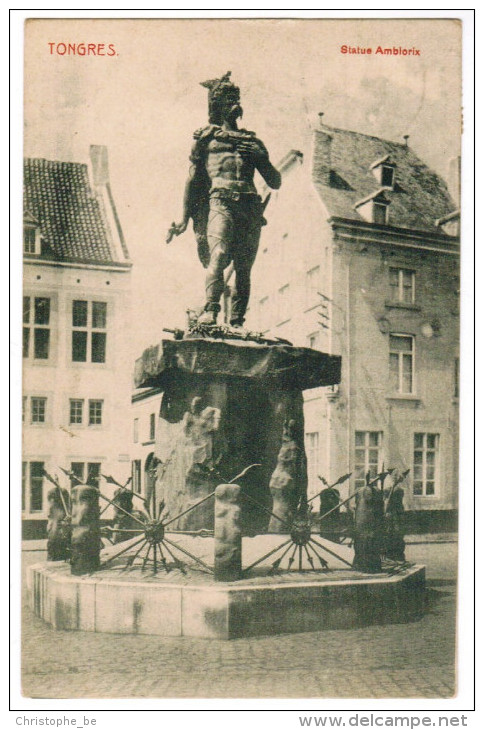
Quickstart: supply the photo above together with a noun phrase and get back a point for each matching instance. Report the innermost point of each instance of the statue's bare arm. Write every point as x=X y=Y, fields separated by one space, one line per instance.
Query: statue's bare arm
x=177 y=229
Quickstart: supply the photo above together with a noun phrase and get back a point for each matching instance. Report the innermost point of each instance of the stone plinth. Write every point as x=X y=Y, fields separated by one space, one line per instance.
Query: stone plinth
x=251 y=607
x=227 y=533
x=225 y=405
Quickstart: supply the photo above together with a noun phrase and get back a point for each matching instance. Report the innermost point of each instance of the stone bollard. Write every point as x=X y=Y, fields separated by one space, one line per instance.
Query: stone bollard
x=58 y=525
x=228 y=533
x=86 y=534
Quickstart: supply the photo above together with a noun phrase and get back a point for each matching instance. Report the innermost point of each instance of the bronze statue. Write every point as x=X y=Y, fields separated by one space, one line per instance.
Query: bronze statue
x=221 y=199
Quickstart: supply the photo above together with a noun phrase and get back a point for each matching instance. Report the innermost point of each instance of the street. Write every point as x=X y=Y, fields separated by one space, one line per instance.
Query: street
x=399 y=660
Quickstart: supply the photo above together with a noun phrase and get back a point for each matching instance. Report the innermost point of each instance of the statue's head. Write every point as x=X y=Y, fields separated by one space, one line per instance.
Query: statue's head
x=223 y=99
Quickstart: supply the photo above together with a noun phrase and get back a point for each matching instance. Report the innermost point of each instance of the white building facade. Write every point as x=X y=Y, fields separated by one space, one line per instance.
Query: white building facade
x=76 y=322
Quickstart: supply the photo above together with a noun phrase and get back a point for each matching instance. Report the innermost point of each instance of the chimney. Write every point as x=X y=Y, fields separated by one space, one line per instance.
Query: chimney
x=99 y=164
x=322 y=157
x=453 y=179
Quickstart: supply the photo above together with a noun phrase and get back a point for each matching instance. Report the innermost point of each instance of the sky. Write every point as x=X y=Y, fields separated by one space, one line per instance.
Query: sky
x=145 y=102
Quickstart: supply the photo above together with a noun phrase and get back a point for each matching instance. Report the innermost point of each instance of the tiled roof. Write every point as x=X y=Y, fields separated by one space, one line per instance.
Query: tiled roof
x=343 y=176
x=71 y=215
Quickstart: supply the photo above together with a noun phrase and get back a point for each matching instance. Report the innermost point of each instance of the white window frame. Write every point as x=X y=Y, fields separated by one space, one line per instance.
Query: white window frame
x=76 y=401
x=424 y=450
x=366 y=447
x=400 y=354
x=34 y=408
x=27 y=487
x=90 y=330
x=312 y=446
x=400 y=288
x=91 y=403
x=30 y=325
x=27 y=249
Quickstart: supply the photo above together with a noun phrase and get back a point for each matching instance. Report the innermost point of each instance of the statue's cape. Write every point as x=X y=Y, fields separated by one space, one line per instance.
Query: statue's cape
x=199 y=202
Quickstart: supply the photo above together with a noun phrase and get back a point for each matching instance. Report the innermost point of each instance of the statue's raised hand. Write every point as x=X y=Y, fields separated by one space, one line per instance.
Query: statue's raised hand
x=176 y=229
x=251 y=150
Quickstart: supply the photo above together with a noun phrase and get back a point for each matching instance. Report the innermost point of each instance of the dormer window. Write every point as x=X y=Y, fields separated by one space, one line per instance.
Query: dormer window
x=29 y=240
x=31 y=235
x=384 y=171
x=387 y=176
x=379 y=212
x=374 y=208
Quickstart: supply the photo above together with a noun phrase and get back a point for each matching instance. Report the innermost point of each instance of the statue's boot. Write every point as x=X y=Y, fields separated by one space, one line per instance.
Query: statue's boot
x=209 y=316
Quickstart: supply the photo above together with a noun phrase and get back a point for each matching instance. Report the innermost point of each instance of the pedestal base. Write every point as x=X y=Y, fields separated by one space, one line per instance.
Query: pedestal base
x=180 y=606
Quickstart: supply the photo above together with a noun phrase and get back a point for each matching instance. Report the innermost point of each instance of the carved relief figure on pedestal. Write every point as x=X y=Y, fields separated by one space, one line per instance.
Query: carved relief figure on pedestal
x=286 y=484
x=58 y=525
x=86 y=534
x=369 y=528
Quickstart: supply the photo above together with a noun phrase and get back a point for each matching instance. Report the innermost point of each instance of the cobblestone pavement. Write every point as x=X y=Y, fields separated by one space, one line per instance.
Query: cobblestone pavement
x=404 y=660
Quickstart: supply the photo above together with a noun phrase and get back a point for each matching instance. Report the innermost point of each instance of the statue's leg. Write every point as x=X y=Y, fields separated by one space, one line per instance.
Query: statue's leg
x=244 y=253
x=220 y=228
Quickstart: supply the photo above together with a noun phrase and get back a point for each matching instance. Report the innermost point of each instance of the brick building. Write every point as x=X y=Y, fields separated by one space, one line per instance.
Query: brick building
x=76 y=309
x=361 y=259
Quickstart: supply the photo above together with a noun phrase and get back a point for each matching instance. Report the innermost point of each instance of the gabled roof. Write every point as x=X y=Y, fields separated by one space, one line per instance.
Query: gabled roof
x=71 y=215
x=343 y=176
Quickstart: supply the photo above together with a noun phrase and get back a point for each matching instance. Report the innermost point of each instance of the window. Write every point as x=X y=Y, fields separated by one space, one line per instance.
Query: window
x=32 y=486
x=76 y=407
x=37 y=410
x=95 y=412
x=368 y=455
x=36 y=330
x=379 y=213
x=313 y=340
x=89 y=331
x=136 y=475
x=284 y=304
x=24 y=486
x=425 y=463
x=136 y=430
x=30 y=240
x=402 y=285
x=86 y=473
x=24 y=407
x=36 y=486
x=313 y=286
x=312 y=452
x=387 y=176
x=402 y=353
x=152 y=426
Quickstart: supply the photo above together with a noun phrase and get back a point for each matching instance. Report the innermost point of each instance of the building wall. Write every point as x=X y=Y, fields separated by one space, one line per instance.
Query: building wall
x=145 y=409
x=432 y=321
x=355 y=278
x=56 y=442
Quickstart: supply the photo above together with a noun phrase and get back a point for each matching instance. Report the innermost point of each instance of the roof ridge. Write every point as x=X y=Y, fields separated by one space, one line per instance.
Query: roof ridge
x=360 y=134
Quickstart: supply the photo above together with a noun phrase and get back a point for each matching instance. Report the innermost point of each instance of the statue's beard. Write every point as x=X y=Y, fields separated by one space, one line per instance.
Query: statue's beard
x=236 y=112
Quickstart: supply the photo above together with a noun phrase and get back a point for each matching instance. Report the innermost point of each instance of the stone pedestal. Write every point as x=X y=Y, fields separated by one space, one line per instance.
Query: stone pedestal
x=224 y=407
x=227 y=533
